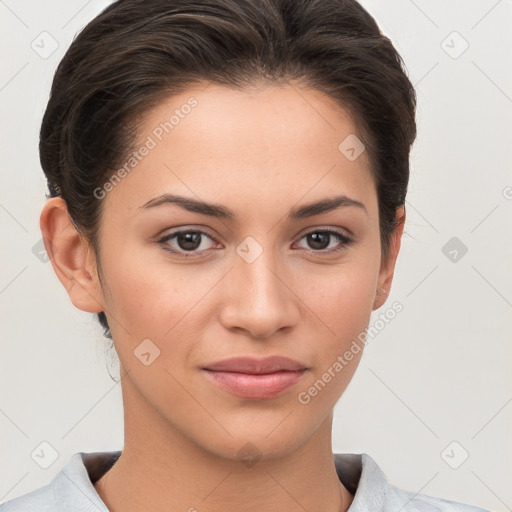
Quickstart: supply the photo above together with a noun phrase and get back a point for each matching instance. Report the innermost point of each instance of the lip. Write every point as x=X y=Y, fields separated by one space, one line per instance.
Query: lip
x=253 y=378
x=254 y=366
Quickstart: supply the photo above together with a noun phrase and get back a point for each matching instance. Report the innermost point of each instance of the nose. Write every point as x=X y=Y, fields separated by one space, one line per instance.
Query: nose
x=259 y=298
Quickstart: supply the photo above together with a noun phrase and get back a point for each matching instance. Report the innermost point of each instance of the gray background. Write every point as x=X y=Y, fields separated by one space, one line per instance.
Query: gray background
x=433 y=387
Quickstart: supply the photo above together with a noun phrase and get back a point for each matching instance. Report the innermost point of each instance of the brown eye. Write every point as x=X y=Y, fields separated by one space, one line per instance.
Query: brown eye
x=320 y=240
x=188 y=241
x=185 y=241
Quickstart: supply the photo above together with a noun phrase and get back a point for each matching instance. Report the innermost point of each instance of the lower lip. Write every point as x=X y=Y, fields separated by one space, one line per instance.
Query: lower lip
x=245 y=385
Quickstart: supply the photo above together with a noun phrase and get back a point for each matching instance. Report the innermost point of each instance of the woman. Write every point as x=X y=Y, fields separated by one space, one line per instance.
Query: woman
x=227 y=193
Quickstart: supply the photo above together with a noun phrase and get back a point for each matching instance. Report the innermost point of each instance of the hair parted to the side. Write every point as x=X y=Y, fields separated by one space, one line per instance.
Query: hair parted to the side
x=137 y=52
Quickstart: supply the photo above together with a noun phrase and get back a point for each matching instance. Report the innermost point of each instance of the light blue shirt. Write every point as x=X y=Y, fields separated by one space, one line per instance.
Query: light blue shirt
x=72 y=489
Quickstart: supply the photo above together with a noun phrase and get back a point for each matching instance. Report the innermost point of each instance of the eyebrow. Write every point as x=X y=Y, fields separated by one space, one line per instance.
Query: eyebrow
x=221 y=212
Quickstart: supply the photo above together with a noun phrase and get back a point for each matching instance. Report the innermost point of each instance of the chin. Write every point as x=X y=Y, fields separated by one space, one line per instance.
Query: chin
x=251 y=444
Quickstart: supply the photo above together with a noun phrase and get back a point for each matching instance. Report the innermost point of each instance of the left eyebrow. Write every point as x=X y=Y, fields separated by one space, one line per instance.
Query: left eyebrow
x=324 y=206
x=222 y=212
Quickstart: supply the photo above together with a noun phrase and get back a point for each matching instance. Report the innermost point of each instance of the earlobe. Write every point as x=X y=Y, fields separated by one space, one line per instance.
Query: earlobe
x=388 y=266
x=71 y=256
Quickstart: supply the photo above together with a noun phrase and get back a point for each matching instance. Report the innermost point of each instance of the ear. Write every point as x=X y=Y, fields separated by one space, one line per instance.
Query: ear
x=387 y=267
x=71 y=256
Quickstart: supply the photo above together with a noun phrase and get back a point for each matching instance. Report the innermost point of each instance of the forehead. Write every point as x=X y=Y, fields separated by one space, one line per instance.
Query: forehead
x=218 y=143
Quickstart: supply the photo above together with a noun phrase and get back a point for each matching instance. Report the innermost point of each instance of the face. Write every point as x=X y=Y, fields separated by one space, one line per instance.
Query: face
x=256 y=275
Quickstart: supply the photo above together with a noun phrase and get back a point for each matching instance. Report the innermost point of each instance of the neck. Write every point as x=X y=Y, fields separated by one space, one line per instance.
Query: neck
x=166 y=472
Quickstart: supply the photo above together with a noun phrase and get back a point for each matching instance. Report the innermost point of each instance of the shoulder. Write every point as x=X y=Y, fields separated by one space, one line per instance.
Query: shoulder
x=70 y=489
x=373 y=492
x=40 y=500
x=408 y=501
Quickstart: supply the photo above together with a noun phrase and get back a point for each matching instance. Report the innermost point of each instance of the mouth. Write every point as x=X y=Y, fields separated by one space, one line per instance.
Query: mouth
x=255 y=378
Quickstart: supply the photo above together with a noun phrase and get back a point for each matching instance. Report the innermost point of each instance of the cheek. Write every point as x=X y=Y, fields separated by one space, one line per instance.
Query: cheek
x=148 y=295
x=342 y=303
x=342 y=307
x=343 y=299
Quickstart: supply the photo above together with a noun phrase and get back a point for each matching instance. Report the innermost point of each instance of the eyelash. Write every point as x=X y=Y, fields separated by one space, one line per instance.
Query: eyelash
x=344 y=239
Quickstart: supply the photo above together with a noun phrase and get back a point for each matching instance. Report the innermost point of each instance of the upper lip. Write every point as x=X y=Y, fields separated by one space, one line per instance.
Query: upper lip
x=256 y=366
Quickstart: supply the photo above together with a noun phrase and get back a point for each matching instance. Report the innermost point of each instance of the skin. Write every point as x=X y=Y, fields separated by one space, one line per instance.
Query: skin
x=259 y=152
